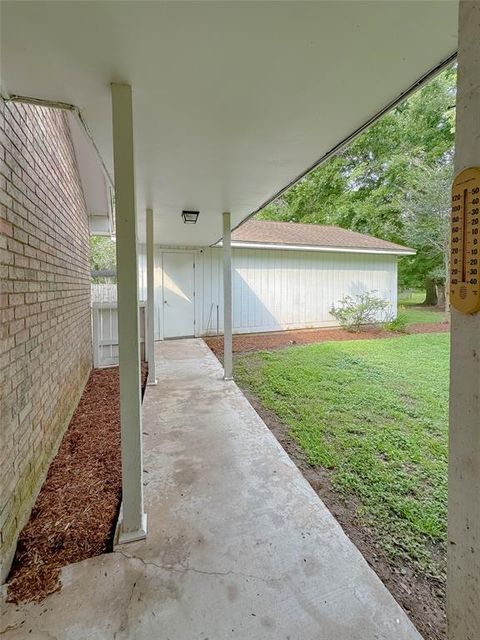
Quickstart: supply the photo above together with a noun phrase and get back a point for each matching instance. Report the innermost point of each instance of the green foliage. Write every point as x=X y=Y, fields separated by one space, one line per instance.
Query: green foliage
x=425 y=206
x=354 y=311
x=375 y=413
x=398 y=324
x=103 y=255
x=370 y=185
x=407 y=297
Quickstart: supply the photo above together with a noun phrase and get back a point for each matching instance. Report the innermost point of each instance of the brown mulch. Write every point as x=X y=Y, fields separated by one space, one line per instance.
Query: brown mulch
x=421 y=596
x=278 y=339
x=75 y=514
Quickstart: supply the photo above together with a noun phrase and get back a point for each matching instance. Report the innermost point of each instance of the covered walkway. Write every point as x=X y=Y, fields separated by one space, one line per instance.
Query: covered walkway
x=239 y=545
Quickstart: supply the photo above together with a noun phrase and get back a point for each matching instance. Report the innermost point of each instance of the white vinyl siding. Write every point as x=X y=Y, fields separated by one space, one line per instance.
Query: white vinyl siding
x=279 y=289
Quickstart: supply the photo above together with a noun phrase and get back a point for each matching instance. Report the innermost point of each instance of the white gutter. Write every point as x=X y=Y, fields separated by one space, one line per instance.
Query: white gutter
x=305 y=247
x=64 y=106
x=78 y=116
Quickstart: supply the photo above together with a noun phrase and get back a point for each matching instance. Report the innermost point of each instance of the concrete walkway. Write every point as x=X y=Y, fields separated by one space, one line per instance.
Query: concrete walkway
x=239 y=545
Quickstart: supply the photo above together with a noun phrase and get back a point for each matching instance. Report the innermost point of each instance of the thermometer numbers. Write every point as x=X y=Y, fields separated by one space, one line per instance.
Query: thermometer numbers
x=465 y=224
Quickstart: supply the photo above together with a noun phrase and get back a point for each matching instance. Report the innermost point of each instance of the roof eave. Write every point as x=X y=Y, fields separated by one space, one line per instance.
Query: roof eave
x=324 y=249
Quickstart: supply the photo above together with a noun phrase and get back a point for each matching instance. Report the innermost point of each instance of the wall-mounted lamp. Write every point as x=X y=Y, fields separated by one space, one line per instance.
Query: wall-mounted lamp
x=190 y=217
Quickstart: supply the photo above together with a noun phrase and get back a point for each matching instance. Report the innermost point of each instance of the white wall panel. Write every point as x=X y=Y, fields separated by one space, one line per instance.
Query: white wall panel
x=280 y=289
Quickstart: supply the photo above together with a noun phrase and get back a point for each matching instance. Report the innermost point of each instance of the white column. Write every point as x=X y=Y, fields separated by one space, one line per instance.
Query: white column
x=227 y=298
x=463 y=573
x=133 y=525
x=150 y=337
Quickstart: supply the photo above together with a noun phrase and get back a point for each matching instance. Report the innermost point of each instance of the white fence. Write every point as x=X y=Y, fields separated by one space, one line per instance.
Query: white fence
x=102 y=293
x=105 y=325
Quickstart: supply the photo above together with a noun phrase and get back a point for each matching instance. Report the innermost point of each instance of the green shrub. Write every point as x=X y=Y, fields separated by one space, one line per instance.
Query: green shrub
x=397 y=324
x=354 y=311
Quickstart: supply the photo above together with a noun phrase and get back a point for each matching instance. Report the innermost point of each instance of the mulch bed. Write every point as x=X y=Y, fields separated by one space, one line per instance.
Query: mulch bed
x=278 y=339
x=77 y=508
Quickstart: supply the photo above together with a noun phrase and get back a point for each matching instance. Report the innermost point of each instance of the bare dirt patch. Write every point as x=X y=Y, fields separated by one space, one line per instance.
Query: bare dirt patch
x=76 y=510
x=422 y=597
x=278 y=339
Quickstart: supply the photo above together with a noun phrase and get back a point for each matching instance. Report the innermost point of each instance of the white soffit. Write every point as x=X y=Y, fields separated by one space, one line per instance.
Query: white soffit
x=97 y=184
x=232 y=100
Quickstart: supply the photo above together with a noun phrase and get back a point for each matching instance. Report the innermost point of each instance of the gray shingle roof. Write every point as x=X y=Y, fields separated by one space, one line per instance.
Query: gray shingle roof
x=312 y=235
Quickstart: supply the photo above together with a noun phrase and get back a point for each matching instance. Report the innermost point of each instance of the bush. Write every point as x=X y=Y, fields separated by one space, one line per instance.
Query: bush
x=397 y=324
x=354 y=311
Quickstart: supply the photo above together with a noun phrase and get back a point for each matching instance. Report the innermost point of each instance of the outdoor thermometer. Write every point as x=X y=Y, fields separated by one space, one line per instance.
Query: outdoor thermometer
x=465 y=241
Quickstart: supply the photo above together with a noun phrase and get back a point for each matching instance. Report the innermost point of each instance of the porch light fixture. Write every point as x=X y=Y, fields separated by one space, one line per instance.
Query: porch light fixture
x=190 y=217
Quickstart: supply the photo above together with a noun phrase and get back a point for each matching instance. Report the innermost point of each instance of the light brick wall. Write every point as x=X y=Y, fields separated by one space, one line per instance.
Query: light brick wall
x=45 y=354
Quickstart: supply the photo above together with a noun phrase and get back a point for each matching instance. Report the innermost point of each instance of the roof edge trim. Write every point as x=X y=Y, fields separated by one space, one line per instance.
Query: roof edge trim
x=88 y=136
x=304 y=247
x=65 y=106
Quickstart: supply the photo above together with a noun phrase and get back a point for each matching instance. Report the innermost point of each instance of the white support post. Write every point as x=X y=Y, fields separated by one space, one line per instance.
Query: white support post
x=227 y=298
x=133 y=525
x=96 y=335
x=463 y=551
x=150 y=337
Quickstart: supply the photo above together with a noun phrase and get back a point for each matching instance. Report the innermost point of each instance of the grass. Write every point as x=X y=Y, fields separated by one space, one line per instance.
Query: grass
x=374 y=413
x=415 y=297
x=414 y=315
x=409 y=306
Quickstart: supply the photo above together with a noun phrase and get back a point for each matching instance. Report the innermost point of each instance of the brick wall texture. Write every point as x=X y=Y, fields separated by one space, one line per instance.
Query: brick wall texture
x=45 y=354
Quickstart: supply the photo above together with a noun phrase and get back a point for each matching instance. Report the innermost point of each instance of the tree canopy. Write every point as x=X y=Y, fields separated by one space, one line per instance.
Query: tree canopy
x=389 y=181
x=103 y=255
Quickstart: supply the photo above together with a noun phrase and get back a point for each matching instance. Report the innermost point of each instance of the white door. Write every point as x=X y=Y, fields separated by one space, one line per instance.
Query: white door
x=178 y=294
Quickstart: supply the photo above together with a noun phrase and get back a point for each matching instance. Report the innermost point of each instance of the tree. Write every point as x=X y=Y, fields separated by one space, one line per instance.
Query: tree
x=365 y=187
x=103 y=255
x=425 y=207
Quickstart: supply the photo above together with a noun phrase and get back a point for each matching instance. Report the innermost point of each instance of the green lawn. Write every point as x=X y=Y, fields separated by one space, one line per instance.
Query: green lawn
x=419 y=314
x=409 y=306
x=374 y=412
x=411 y=297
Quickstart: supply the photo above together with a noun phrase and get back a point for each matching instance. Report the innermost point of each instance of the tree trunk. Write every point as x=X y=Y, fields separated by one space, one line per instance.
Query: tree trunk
x=441 y=297
x=431 y=298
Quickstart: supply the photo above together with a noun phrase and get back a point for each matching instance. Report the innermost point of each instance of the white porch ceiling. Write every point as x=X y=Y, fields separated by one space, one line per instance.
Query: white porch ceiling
x=232 y=100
